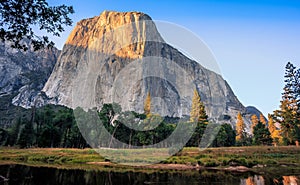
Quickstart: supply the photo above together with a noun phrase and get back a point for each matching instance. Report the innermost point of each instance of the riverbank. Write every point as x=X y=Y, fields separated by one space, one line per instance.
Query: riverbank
x=275 y=160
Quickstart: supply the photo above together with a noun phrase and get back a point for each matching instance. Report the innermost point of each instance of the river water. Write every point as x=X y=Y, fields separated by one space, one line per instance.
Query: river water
x=21 y=175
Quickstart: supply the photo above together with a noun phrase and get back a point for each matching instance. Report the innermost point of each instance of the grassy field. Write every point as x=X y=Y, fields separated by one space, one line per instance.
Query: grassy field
x=257 y=159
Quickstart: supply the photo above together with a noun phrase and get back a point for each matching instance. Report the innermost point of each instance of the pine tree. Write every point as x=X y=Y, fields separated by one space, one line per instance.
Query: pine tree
x=284 y=117
x=3 y=136
x=297 y=97
x=198 y=113
x=27 y=135
x=261 y=135
x=254 y=121
x=275 y=133
x=240 y=129
x=262 y=119
x=14 y=132
x=297 y=90
x=225 y=137
x=271 y=125
x=289 y=115
x=147 y=105
x=198 y=116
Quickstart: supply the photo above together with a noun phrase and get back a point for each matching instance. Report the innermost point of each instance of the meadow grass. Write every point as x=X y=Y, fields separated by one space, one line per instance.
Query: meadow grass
x=257 y=158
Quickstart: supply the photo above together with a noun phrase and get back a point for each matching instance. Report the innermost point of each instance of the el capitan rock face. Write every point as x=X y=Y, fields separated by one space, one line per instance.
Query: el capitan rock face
x=123 y=57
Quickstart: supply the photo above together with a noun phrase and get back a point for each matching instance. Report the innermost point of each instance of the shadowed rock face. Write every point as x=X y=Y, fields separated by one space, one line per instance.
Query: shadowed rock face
x=24 y=73
x=120 y=57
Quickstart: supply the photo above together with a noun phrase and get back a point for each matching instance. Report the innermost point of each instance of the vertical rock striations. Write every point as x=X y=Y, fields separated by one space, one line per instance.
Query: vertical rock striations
x=120 y=57
x=24 y=73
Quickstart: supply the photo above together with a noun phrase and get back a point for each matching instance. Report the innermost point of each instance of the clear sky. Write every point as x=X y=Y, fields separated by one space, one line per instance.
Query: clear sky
x=251 y=40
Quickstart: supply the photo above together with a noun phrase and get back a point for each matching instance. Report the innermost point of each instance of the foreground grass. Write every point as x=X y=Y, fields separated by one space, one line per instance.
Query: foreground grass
x=50 y=156
x=258 y=159
x=276 y=160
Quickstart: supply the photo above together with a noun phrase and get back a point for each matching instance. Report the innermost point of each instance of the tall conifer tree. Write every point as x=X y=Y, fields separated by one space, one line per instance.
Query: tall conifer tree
x=254 y=121
x=240 y=128
x=275 y=133
x=199 y=117
x=198 y=113
x=147 y=105
x=289 y=115
x=262 y=119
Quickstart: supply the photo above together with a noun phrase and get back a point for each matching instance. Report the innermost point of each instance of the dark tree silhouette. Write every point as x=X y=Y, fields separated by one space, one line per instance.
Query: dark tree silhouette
x=18 y=17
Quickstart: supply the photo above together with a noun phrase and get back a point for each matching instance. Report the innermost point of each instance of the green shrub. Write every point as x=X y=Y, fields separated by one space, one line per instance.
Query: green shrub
x=238 y=161
x=252 y=163
x=37 y=158
x=225 y=162
x=201 y=156
x=270 y=161
x=200 y=163
x=210 y=163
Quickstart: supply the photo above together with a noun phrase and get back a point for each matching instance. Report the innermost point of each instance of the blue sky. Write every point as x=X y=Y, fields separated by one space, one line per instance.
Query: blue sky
x=251 y=40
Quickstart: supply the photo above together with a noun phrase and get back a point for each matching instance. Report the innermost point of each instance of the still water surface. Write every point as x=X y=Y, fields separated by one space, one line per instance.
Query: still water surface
x=21 y=175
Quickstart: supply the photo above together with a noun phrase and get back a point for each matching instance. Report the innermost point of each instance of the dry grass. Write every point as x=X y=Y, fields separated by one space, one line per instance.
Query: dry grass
x=257 y=158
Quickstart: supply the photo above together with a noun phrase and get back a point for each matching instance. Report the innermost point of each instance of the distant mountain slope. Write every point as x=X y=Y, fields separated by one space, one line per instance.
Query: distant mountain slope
x=22 y=76
x=251 y=110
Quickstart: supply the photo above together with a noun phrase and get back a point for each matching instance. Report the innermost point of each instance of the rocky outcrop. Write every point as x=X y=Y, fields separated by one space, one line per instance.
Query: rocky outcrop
x=24 y=73
x=120 y=57
x=251 y=110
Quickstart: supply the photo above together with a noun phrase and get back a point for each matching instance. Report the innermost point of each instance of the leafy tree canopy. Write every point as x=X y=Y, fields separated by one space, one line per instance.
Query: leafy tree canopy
x=18 y=17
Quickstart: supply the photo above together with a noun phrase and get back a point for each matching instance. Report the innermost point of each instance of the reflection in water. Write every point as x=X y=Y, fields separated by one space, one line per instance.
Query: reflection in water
x=260 y=180
x=253 y=180
x=21 y=175
x=290 y=180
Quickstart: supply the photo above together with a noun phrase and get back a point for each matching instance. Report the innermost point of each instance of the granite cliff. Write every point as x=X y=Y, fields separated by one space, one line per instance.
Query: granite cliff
x=120 y=57
x=24 y=73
